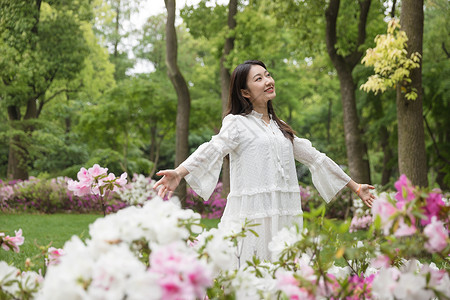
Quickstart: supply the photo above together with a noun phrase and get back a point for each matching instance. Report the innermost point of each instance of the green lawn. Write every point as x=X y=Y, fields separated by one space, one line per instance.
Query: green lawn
x=41 y=230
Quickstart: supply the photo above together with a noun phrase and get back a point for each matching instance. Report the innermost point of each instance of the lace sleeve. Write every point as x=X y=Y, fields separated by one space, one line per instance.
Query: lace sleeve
x=327 y=176
x=205 y=163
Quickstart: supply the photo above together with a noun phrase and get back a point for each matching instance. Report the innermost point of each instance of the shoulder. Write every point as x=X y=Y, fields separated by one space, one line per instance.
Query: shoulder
x=230 y=118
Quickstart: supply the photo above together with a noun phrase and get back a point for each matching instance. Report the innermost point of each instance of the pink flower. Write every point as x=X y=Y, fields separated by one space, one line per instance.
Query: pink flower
x=405 y=191
x=122 y=181
x=433 y=207
x=96 y=170
x=12 y=242
x=84 y=176
x=381 y=261
x=182 y=276
x=79 y=188
x=383 y=208
x=437 y=236
x=54 y=255
x=404 y=229
x=287 y=283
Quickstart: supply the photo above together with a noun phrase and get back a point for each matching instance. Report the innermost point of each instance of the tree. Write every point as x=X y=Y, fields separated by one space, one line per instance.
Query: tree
x=111 y=17
x=412 y=157
x=41 y=43
x=345 y=25
x=356 y=149
x=181 y=88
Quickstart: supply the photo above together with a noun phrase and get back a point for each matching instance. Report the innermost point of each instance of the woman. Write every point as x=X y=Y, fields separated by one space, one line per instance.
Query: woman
x=263 y=180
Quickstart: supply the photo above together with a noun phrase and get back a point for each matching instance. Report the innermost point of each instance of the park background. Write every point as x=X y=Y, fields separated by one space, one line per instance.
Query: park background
x=71 y=95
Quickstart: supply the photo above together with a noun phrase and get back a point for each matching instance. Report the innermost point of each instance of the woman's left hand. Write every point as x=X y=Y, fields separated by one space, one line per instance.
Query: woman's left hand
x=366 y=196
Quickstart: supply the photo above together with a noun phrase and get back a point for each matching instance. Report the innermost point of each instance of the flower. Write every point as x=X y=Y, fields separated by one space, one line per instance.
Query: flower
x=433 y=207
x=405 y=191
x=287 y=283
x=12 y=242
x=54 y=255
x=404 y=229
x=412 y=286
x=181 y=275
x=285 y=238
x=384 y=209
x=437 y=236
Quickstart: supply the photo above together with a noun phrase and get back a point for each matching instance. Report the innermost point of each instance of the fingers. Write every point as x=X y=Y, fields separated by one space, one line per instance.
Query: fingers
x=371 y=187
x=170 y=194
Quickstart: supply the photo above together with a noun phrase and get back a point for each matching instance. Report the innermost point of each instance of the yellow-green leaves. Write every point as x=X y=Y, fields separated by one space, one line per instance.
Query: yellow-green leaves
x=391 y=62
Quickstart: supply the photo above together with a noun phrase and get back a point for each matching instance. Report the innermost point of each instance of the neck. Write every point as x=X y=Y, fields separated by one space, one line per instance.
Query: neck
x=262 y=109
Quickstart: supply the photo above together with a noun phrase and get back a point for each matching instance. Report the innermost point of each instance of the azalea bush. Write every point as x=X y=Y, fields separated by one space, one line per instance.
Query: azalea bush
x=50 y=196
x=212 y=208
x=160 y=251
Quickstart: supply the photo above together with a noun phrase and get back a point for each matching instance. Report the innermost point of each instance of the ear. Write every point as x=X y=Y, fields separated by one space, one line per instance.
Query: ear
x=245 y=93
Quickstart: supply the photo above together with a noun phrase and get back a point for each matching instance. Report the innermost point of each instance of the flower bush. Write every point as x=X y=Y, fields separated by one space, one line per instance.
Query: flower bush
x=51 y=196
x=160 y=251
x=210 y=209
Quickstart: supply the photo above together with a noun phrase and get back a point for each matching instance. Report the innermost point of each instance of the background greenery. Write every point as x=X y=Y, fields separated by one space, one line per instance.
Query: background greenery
x=93 y=109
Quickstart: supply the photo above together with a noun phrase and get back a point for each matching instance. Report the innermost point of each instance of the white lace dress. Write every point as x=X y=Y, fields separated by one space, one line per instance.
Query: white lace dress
x=263 y=180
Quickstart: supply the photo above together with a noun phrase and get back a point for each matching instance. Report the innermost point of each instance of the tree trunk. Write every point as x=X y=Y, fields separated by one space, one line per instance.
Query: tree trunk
x=184 y=100
x=356 y=150
x=412 y=158
x=17 y=157
x=225 y=86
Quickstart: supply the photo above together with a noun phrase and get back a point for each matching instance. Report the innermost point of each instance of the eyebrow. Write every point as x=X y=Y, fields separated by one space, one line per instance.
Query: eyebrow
x=258 y=74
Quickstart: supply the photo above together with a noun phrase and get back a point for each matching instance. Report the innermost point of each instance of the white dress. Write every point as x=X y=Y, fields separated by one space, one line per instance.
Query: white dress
x=263 y=180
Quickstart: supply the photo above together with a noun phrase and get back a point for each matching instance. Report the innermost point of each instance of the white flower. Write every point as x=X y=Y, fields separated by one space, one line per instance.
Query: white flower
x=384 y=283
x=285 y=238
x=339 y=272
x=8 y=274
x=411 y=286
x=219 y=249
x=249 y=287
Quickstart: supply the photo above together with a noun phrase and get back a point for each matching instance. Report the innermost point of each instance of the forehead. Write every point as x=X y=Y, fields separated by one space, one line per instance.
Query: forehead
x=256 y=69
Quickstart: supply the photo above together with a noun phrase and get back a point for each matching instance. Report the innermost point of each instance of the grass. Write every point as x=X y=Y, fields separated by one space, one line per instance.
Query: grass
x=43 y=230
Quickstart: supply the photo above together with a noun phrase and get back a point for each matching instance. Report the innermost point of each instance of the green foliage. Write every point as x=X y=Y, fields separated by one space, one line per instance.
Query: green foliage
x=435 y=74
x=391 y=62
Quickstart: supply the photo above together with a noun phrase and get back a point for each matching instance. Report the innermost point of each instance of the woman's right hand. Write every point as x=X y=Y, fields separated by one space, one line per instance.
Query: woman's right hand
x=169 y=181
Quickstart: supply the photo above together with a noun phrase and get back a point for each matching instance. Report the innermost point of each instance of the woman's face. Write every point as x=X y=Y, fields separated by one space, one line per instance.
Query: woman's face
x=260 y=86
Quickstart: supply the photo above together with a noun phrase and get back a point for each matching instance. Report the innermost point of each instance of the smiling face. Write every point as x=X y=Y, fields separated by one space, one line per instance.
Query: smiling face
x=260 y=86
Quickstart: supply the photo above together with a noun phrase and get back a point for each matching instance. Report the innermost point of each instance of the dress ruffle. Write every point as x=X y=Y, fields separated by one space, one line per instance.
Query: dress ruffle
x=262 y=205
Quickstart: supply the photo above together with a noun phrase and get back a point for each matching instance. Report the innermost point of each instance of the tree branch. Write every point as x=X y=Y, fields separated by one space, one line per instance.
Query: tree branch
x=354 y=57
x=331 y=14
x=66 y=90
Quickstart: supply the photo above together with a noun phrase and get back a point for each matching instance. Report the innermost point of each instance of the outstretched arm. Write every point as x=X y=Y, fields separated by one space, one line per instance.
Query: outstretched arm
x=170 y=180
x=363 y=191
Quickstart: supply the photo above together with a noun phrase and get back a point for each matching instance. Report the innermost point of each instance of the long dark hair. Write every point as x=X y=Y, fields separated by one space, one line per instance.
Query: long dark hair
x=239 y=105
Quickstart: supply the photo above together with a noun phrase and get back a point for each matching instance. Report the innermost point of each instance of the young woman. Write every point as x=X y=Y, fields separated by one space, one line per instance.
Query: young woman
x=262 y=148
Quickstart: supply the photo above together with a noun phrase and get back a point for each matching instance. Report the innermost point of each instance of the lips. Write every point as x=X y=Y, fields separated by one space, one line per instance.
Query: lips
x=269 y=90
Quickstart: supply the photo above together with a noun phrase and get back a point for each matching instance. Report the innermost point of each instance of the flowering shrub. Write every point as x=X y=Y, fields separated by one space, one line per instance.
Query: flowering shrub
x=51 y=196
x=362 y=217
x=154 y=252
x=339 y=208
x=138 y=191
x=211 y=209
